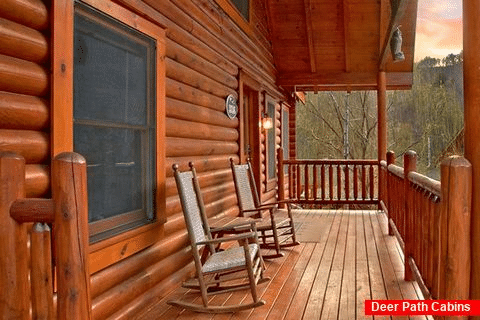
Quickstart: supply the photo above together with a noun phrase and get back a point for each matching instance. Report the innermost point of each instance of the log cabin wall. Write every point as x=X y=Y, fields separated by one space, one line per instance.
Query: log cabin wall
x=205 y=51
x=24 y=88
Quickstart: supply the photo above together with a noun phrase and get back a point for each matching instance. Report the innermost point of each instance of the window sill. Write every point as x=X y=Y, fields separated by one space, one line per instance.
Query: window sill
x=109 y=251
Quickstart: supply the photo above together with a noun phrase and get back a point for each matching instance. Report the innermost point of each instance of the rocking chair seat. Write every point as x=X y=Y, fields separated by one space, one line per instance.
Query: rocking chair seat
x=266 y=224
x=228 y=259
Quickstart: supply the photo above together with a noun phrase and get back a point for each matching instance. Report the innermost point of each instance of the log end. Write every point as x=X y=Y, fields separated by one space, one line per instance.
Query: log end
x=71 y=157
x=456 y=161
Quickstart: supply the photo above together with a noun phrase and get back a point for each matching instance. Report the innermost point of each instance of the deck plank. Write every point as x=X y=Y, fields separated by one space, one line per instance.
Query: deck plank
x=377 y=282
x=300 y=299
x=348 y=293
x=390 y=279
x=334 y=286
x=362 y=272
x=316 y=299
x=286 y=295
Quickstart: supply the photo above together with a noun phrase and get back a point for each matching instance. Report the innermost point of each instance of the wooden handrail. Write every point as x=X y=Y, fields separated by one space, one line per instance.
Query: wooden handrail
x=425 y=183
x=329 y=181
x=433 y=220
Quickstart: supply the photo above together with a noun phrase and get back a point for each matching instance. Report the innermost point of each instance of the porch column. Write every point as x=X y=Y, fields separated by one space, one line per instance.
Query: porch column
x=471 y=76
x=382 y=115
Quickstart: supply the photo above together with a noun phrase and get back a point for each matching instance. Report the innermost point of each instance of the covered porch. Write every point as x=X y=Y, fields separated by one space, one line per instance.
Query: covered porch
x=346 y=257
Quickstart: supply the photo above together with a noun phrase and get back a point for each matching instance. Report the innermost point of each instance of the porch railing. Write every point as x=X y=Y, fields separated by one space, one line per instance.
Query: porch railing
x=30 y=264
x=322 y=182
x=431 y=220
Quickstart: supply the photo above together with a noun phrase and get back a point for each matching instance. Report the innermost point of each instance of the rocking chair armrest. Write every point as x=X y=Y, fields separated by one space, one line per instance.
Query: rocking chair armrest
x=242 y=236
x=266 y=206
x=253 y=210
x=234 y=226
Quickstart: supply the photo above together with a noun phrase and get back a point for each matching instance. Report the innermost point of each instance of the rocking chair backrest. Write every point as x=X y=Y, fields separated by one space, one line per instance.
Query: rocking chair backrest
x=191 y=205
x=245 y=186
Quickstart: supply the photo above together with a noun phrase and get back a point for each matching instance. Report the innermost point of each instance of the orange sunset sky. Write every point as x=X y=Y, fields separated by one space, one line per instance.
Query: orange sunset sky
x=439 y=28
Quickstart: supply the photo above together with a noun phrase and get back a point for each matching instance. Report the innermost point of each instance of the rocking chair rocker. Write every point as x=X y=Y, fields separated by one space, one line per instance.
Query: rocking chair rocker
x=216 y=270
x=277 y=227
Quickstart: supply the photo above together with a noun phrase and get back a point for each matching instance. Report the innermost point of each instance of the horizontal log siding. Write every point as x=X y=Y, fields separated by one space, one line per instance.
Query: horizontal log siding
x=24 y=88
x=205 y=52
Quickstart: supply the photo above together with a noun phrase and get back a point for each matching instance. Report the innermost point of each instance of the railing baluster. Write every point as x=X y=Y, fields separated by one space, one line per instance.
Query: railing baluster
x=299 y=183
x=330 y=182
x=355 y=182
x=315 y=182
x=307 y=182
x=41 y=279
x=364 y=184
x=347 y=183
x=372 y=183
x=322 y=173
x=339 y=182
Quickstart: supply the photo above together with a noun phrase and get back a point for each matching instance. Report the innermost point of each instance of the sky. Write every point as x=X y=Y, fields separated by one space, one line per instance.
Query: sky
x=439 y=28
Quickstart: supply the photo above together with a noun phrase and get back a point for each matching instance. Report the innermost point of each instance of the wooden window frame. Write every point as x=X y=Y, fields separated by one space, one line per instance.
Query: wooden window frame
x=236 y=16
x=270 y=183
x=246 y=80
x=62 y=116
x=285 y=121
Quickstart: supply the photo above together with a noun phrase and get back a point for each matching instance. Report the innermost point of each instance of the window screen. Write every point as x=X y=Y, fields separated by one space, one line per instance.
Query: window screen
x=285 y=138
x=243 y=7
x=271 y=142
x=114 y=117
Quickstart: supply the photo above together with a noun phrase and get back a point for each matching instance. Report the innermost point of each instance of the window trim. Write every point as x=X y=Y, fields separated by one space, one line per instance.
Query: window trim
x=62 y=89
x=236 y=16
x=285 y=121
x=270 y=183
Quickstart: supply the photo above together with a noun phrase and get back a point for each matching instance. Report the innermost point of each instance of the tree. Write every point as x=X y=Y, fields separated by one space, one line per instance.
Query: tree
x=337 y=125
x=425 y=119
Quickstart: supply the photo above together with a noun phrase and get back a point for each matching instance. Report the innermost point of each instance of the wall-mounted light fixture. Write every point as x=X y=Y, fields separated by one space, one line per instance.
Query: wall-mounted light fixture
x=396 y=45
x=267 y=122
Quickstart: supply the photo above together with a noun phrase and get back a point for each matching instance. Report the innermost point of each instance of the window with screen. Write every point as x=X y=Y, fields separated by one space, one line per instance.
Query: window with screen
x=243 y=6
x=114 y=120
x=271 y=142
x=285 y=140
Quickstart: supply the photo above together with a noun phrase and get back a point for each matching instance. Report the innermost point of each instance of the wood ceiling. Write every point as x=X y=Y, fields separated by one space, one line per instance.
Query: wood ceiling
x=340 y=44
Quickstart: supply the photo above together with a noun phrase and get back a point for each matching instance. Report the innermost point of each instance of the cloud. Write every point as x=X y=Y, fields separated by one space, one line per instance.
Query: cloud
x=439 y=28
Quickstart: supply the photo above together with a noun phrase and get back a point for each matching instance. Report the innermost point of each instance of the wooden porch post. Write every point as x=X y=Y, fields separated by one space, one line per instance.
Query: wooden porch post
x=409 y=165
x=14 y=292
x=382 y=125
x=471 y=79
x=455 y=224
x=388 y=192
x=382 y=115
x=69 y=191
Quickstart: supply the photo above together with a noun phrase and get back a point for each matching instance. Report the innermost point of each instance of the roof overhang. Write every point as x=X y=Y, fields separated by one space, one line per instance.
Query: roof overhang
x=341 y=44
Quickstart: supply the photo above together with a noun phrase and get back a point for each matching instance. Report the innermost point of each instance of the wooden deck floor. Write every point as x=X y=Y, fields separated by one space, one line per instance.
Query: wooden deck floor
x=345 y=257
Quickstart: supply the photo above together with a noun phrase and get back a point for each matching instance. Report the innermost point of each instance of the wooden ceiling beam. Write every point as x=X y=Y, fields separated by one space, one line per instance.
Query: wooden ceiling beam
x=398 y=10
x=344 y=80
x=311 y=47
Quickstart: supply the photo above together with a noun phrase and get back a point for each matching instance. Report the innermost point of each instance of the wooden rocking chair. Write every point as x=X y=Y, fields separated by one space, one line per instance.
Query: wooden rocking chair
x=216 y=271
x=276 y=228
